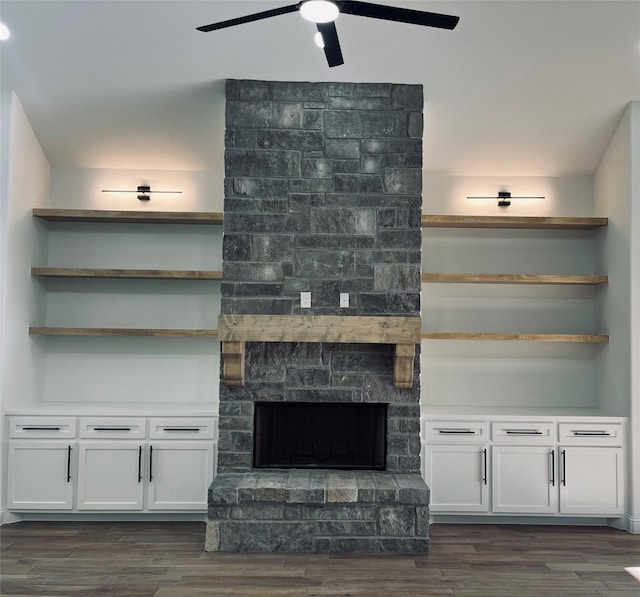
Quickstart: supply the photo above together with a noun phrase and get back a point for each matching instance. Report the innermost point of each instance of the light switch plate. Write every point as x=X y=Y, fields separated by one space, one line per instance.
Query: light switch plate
x=344 y=299
x=305 y=300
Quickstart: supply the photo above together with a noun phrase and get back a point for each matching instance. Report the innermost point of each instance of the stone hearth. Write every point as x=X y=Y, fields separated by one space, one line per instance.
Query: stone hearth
x=318 y=511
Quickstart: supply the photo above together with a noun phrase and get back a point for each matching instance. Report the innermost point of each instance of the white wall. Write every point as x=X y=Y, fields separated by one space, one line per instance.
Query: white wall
x=130 y=374
x=505 y=375
x=25 y=183
x=635 y=317
x=563 y=196
x=81 y=188
x=28 y=187
x=616 y=187
x=612 y=196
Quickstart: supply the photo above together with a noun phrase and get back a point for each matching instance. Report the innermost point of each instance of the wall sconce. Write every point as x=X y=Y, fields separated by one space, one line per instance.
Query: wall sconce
x=504 y=198
x=144 y=191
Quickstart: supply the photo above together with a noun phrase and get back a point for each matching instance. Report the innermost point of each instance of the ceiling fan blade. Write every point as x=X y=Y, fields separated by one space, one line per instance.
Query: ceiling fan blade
x=258 y=16
x=331 y=43
x=402 y=15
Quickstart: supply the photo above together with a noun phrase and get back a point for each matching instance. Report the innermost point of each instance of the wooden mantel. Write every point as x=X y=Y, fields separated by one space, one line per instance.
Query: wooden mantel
x=235 y=330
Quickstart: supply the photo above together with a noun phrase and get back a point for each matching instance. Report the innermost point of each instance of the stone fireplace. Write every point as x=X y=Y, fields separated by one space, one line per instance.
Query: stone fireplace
x=319 y=446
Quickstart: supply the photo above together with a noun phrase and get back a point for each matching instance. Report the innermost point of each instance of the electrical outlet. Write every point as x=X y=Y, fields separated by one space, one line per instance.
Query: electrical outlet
x=344 y=300
x=305 y=300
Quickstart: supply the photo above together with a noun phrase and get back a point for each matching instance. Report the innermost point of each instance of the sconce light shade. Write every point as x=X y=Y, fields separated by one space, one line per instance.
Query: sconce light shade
x=504 y=198
x=144 y=192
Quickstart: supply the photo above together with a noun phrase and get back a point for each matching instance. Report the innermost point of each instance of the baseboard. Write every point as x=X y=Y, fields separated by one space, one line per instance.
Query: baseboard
x=526 y=520
x=633 y=525
x=7 y=517
x=111 y=517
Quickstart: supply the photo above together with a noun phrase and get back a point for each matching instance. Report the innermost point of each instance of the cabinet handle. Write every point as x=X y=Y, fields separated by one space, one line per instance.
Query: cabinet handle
x=591 y=434
x=523 y=432
x=484 y=466
x=564 y=469
x=456 y=432
x=189 y=429
x=68 y=464
x=112 y=428
x=42 y=428
x=150 y=464
x=139 y=464
x=553 y=468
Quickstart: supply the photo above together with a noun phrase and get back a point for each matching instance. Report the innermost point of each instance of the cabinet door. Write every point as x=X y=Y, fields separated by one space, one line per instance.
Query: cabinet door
x=591 y=481
x=524 y=479
x=110 y=475
x=457 y=477
x=179 y=475
x=40 y=475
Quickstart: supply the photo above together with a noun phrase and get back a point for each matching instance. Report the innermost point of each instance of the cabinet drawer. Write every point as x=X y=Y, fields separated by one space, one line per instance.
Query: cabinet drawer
x=591 y=434
x=42 y=427
x=182 y=428
x=455 y=431
x=112 y=428
x=530 y=433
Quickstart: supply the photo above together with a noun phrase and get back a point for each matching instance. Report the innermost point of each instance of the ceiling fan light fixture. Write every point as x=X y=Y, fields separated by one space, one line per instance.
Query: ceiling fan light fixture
x=319 y=11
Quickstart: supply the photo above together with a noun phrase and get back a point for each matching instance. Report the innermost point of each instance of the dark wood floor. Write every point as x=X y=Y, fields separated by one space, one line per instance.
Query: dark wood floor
x=167 y=560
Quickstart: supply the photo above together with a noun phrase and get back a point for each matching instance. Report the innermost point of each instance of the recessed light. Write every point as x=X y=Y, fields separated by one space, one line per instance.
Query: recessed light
x=4 y=32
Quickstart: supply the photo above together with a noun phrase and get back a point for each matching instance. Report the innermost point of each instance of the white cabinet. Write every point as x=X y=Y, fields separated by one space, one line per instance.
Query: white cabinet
x=524 y=479
x=591 y=468
x=457 y=477
x=528 y=467
x=171 y=482
x=121 y=465
x=41 y=475
x=591 y=481
x=110 y=475
x=455 y=461
x=42 y=459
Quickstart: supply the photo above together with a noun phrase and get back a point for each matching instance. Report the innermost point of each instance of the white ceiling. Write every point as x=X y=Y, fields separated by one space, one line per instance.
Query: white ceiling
x=530 y=88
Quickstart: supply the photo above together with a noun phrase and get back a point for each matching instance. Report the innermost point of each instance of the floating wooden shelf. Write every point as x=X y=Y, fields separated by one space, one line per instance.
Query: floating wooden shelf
x=571 y=338
x=235 y=330
x=168 y=333
x=138 y=217
x=514 y=279
x=154 y=274
x=532 y=223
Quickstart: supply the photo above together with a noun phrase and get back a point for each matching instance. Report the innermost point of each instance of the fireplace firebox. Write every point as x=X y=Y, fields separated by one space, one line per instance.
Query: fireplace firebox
x=320 y=435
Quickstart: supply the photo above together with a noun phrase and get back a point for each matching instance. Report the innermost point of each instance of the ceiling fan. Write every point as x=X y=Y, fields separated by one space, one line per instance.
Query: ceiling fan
x=324 y=12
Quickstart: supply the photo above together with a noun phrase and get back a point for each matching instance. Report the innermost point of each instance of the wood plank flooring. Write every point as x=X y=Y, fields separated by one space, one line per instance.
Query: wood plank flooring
x=167 y=560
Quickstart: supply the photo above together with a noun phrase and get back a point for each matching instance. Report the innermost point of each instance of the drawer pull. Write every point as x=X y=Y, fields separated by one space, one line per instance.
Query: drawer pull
x=112 y=428
x=188 y=429
x=523 y=432
x=42 y=428
x=591 y=434
x=456 y=432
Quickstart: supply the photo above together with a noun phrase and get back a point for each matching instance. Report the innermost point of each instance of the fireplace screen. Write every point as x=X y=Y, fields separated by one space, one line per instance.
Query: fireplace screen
x=320 y=435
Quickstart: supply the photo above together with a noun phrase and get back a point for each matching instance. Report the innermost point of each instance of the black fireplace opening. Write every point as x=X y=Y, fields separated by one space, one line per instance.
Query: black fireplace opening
x=320 y=435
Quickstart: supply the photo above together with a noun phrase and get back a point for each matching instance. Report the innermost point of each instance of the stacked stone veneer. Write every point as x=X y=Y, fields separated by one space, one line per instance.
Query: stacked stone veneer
x=323 y=194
